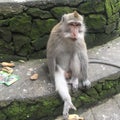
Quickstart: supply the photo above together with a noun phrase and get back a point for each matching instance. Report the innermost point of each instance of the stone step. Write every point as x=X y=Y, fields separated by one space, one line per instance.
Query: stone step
x=37 y=100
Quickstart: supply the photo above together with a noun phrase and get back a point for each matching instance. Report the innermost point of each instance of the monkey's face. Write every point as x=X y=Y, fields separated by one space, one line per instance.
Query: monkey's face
x=72 y=25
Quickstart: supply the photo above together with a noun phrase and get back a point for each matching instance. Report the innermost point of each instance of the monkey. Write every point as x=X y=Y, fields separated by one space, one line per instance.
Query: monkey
x=67 y=52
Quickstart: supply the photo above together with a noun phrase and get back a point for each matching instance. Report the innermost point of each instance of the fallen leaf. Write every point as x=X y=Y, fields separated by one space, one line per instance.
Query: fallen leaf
x=75 y=117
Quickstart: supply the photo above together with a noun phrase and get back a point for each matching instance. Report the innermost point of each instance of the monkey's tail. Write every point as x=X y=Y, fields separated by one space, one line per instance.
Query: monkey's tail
x=104 y=62
x=62 y=86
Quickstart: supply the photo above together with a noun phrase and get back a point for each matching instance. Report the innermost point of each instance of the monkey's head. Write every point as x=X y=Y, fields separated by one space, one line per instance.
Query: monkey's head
x=72 y=25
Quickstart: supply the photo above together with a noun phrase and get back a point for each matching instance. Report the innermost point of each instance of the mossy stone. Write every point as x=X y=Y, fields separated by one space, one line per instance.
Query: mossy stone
x=108 y=8
x=40 y=42
x=20 y=41
x=110 y=28
x=36 y=12
x=113 y=18
x=92 y=92
x=2 y=116
x=41 y=27
x=38 y=54
x=96 y=22
x=91 y=7
x=4 y=22
x=21 y=24
x=90 y=38
x=59 y=11
x=8 y=57
x=5 y=34
x=6 y=48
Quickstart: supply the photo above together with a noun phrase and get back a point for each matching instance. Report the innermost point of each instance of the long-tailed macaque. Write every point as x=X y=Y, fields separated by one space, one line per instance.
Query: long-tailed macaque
x=67 y=53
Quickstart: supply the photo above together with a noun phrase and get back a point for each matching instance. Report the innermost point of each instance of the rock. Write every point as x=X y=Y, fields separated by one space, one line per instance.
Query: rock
x=94 y=7
x=40 y=42
x=96 y=22
x=21 y=24
x=110 y=28
x=5 y=34
x=4 y=22
x=20 y=41
x=59 y=11
x=41 y=27
x=36 y=12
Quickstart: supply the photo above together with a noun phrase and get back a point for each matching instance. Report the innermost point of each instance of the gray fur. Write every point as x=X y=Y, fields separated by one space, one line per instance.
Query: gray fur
x=68 y=55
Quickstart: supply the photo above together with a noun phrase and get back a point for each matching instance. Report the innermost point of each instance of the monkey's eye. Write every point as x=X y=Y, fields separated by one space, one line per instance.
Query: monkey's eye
x=75 y=24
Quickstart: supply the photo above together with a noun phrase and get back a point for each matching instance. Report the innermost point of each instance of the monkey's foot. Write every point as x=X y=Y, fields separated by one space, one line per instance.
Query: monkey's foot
x=75 y=85
x=86 y=84
x=67 y=106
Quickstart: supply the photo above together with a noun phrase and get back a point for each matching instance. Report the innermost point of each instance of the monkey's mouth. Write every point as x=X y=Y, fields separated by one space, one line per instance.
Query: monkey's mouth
x=73 y=39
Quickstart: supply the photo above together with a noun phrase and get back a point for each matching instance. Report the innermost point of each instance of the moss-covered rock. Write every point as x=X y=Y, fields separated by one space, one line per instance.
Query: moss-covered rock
x=94 y=7
x=38 y=54
x=37 y=13
x=21 y=24
x=41 y=27
x=11 y=10
x=108 y=8
x=90 y=38
x=5 y=34
x=103 y=38
x=4 y=22
x=113 y=18
x=59 y=11
x=110 y=28
x=20 y=41
x=40 y=42
x=2 y=116
x=96 y=22
x=6 y=48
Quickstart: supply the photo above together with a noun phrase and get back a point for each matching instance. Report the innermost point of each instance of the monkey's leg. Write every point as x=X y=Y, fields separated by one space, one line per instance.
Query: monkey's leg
x=75 y=84
x=62 y=88
x=84 y=70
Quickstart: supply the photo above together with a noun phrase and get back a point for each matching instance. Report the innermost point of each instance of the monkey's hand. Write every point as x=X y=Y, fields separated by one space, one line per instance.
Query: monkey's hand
x=86 y=83
x=67 y=105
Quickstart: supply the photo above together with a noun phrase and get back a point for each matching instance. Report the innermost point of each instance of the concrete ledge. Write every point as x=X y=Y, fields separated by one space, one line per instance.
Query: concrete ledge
x=37 y=100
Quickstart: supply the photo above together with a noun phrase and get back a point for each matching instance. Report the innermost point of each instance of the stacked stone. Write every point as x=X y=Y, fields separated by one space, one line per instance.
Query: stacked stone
x=25 y=28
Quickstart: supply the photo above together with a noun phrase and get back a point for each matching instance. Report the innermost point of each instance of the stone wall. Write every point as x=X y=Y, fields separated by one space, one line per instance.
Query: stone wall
x=25 y=27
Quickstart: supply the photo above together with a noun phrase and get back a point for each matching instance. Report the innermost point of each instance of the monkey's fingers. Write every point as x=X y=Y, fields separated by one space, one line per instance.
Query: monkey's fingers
x=73 y=107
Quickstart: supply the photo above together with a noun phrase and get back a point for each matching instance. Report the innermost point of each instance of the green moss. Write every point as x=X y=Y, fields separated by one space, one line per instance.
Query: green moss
x=90 y=38
x=20 y=41
x=2 y=116
x=36 y=12
x=4 y=22
x=94 y=7
x=108 y=8
x=59 y=11
x=41 y=27
x=21 y=24
x=96 y=22
x=5 y=34
x=93 y=93
x=113 y=18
